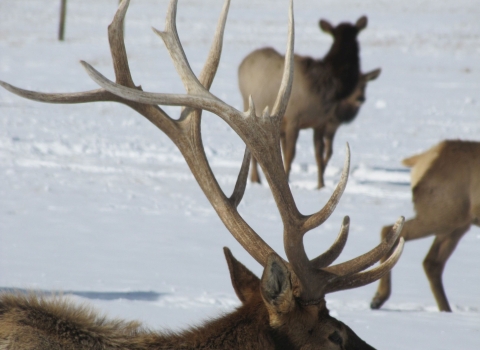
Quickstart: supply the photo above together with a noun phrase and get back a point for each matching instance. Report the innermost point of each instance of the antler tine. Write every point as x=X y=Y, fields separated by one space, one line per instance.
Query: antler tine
x=368 y=259
x=283 y=96
x=117 y=46
x=363 y=278
x=241 y=183
x=211 y=63
x=62 y=98
x=213 y=59
x=207 y=102
x=175 y=49
x=322 y=215
x=336 y=249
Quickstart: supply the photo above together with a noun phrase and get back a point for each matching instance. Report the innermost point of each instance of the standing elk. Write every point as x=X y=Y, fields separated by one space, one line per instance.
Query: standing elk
x=318 y=87
x=445 y=183
x=285 y=308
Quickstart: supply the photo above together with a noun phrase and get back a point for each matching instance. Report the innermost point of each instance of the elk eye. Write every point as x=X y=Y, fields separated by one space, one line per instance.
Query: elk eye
x=335 y=338
x=310 y=331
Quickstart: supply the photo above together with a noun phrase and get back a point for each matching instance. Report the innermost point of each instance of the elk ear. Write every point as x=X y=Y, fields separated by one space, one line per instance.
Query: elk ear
x=276 y=287
x=372 y=75
x=244 y=282
x=361 y=23
x=325 y=26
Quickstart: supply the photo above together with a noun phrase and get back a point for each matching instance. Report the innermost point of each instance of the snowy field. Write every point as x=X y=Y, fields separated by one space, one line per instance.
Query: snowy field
x=97 y=203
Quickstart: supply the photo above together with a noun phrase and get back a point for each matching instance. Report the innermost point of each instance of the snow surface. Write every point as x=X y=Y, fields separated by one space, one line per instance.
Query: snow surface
x=97 y=203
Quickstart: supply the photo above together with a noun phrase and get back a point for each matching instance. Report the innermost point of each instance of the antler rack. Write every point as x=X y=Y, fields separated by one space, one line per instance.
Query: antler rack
x=261 y=135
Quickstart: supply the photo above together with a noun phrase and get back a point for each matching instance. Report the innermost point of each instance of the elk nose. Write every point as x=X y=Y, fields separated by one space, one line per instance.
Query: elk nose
x=361 y=99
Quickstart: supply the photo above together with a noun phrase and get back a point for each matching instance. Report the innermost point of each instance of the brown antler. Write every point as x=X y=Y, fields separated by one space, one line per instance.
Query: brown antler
x=262 y=137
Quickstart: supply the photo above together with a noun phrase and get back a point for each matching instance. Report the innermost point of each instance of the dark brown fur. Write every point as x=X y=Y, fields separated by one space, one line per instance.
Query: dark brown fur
x=270 y=318
x=340 y=68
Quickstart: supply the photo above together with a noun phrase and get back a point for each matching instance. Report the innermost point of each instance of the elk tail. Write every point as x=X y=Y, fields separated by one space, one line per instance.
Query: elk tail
x=411 y=161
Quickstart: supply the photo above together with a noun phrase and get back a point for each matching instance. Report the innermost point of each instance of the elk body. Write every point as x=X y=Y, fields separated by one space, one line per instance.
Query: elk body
x=445 y=183
x=285 y=309
x=318 y=87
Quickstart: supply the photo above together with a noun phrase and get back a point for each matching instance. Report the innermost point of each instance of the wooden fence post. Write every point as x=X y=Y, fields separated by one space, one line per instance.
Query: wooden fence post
x=63 y=13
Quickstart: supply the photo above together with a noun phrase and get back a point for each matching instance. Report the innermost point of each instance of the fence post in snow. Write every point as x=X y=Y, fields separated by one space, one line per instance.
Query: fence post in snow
x=63 y=13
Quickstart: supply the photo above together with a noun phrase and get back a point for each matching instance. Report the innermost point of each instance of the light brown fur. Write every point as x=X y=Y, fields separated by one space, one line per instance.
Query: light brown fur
x=446 y=197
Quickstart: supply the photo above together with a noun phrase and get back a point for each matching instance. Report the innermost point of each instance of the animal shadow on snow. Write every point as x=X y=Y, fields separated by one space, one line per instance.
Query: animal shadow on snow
x=133 y=295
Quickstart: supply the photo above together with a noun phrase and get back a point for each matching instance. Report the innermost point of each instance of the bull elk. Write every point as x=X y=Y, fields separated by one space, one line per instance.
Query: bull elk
x=323 y=92
x=445 y=183
x=285 y=308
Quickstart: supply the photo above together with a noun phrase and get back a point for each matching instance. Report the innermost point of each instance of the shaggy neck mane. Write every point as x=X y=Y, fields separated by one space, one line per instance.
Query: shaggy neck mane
x=245 y=328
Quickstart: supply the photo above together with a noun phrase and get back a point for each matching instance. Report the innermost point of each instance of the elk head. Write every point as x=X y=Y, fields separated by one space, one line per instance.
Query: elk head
x=293 y=325
x=343 y=29
x=348 y=108
x=290 y=293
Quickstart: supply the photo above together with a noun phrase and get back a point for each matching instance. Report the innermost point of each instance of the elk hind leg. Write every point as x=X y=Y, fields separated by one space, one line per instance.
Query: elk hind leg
x=328 y=141
x=434 y=263
x=254 y=177
x=289 y=143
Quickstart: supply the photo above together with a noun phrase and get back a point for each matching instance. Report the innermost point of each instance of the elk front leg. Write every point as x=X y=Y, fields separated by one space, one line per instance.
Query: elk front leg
x=318 y=144
x=412 y=229
x=434 y=264
x=254 y=177
x=289 y=141
x=385 y=286
x=328 y=141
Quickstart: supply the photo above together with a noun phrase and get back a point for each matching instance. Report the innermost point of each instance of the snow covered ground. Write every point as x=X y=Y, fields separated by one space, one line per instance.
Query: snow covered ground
x=97 y=203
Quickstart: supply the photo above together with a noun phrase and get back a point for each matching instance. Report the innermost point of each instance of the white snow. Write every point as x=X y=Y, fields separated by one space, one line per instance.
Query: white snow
x=97 y=203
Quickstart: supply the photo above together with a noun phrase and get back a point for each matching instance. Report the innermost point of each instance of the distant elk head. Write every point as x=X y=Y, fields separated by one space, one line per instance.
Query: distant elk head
x=348 y=108
x=445 y=183
x=325 y=92
x=285 y=309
